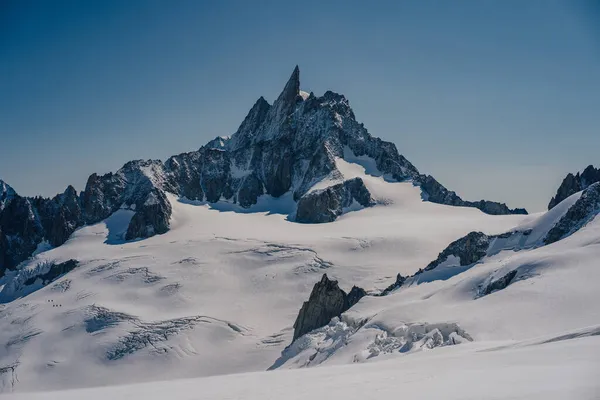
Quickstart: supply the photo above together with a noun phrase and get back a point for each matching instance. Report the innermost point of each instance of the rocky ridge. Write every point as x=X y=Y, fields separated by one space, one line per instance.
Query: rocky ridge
x=284 y=147
x=474 y=246
x=575 y=183
x=579 y=214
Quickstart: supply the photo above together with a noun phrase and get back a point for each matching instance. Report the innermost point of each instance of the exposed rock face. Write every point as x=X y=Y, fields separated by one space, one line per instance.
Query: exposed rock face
x=327 y=204
x=139 y=185
x=54 y=271
x=494 y=208
x=27 y=222
x=575 y=183
x=59 y=216
x=355 y=294
x=101 y=196
x=499 y=284
x=43 y=273
x=6 y=194
x=326 y=301
x=433 y=191
x=150 y=219
x=20 y=232
x=580 y=213
x=469 y=249
x=399 y=282
x=284 y=147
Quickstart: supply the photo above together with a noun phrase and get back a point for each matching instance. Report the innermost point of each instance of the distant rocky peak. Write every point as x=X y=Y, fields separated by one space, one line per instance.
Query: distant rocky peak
x=140 y=165
x=287 y=100
x=590 y=175
x=338 y=103
x=6 y=194
x=575 y=183
x=291 y=90
x=5 y=187
x=333 y=98
x=248 y=128
x=70 y=191
x=578 y=215
x=218 y=143
x=69 y=196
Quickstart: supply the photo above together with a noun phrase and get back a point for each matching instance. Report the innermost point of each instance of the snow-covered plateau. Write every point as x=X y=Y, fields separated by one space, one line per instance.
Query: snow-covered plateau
x=458 y=303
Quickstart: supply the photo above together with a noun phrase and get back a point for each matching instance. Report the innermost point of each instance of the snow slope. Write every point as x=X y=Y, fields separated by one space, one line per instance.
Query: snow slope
x=453 y=373
x=552 y=289
x=219 y=292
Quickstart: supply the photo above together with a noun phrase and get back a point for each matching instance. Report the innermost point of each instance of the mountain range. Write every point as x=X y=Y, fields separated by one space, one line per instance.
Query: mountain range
x=299 y=241
x=287 y=148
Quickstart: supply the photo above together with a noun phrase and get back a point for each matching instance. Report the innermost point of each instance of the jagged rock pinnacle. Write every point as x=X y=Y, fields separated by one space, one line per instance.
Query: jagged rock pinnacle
x=574 y=183
x=291 y=89
x=326 y=301
x=6 y=194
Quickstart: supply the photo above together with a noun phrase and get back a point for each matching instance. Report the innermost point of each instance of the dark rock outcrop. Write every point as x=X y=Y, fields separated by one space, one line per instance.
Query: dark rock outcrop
x=101 y=196
x=54 y=271
x=6 y=194
x=59 y=216
x=575 y=183
x=469 y=249
x=399 y=282
x=250 y=189
x=20 y=232
x=326 y=205
x=435 y=192
x=580 y=213
x=326 y=301
x=27 y=280
x=500 y=283
x=150 y=219
x=355 y=294
x=494 y=208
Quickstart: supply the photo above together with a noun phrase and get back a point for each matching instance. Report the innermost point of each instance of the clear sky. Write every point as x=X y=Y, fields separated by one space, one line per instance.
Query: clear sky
x=496 y=99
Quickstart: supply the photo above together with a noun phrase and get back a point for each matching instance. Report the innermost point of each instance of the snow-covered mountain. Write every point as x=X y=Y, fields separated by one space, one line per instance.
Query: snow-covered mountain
x=288 y=148
x=198 y=267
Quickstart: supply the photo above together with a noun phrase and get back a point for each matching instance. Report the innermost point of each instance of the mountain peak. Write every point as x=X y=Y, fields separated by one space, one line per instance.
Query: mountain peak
x=6 y=193
x=575 y=183
x=288 y=146
x=291 y=89
x=70 y=191
x=248 y=128
x=4 y=186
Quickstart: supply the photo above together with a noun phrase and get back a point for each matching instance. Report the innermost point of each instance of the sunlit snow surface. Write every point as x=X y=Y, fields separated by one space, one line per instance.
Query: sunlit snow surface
x=219 y=292
x=557 y=371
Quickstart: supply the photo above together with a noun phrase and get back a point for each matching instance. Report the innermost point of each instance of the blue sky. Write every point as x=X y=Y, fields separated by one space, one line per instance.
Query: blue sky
x=496 y=99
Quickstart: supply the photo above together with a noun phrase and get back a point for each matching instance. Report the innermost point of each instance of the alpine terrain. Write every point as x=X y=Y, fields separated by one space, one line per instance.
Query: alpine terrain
x=299 y=241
